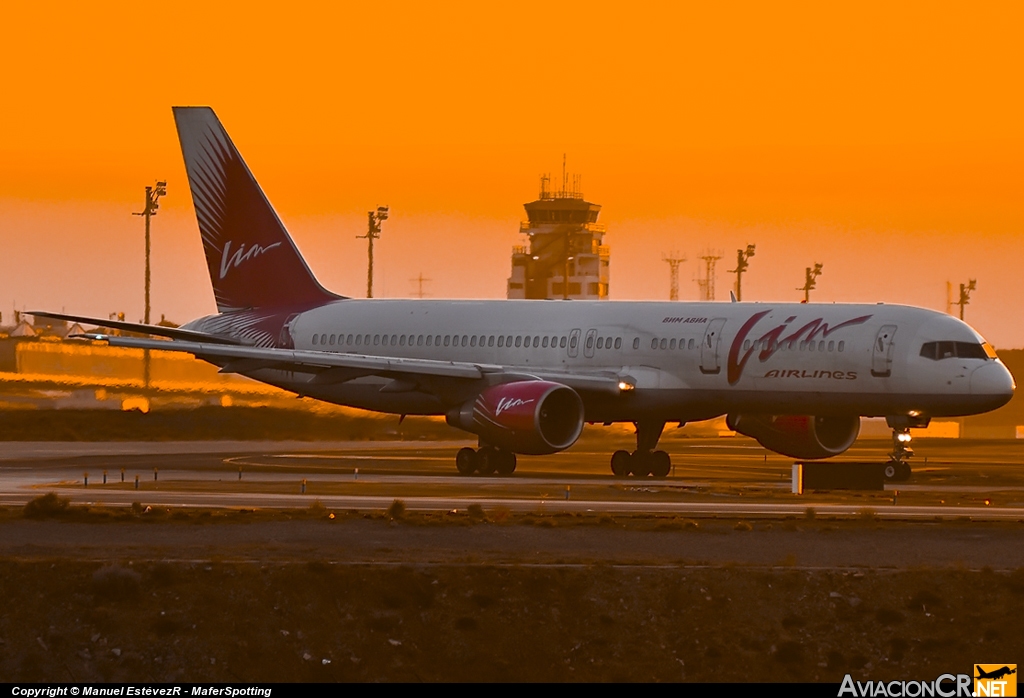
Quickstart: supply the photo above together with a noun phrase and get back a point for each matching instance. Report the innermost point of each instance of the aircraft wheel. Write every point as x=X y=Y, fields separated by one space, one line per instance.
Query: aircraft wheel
x=661 y=464
x=620 y=463
x=505 y=462
x=640 y=464
x=466 y=461
x=487 y=459
x=890 y=471
x=903 y=472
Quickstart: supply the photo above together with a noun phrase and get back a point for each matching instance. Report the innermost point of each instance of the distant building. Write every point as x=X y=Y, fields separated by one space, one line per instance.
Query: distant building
x=49 y=327
x=23 y=329
x=564 y=242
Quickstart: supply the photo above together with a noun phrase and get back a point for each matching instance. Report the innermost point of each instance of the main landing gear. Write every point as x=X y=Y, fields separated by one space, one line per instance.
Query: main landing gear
x=487 y=461
x=644 y=460
x=898 y=467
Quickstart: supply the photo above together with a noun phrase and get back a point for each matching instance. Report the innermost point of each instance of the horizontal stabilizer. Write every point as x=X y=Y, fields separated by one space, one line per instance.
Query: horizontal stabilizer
x=140 y=328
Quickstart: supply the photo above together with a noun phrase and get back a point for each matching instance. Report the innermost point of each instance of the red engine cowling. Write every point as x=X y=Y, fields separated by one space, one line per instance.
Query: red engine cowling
x=529 y=417
x=799 y=436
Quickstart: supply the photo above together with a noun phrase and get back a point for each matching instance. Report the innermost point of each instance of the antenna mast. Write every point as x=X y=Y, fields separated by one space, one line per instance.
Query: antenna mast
x=673 y=260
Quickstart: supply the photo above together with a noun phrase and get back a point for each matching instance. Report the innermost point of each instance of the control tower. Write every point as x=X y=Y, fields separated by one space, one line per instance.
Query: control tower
x=564 y=243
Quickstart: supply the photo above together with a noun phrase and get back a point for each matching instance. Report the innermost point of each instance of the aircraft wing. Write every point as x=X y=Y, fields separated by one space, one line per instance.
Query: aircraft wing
x=141 y=328
x=329 y=367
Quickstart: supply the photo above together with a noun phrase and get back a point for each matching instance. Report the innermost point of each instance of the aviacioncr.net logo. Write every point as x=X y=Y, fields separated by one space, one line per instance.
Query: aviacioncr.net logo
x=995 y=680
x=945 y=686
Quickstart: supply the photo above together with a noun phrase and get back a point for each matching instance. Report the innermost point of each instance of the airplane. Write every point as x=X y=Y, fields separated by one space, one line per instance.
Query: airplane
x=524 y=376
x=995 y=674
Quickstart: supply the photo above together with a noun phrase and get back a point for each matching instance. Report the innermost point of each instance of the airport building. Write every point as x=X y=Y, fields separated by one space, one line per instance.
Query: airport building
x=564 y=243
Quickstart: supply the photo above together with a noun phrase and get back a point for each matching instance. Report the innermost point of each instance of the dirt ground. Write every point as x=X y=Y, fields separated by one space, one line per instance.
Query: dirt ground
x=232 y=614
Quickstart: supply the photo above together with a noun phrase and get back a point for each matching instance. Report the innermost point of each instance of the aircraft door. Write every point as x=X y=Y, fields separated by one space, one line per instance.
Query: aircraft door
x=574 y=344
x=881 y=354
x=588 y=346
x=710 y=360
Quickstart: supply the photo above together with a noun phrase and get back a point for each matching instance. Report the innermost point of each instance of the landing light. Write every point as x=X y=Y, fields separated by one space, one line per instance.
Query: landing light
x=904 y=438
x=623 y=385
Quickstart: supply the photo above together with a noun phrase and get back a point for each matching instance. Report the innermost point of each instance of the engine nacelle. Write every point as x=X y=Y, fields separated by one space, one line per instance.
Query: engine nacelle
x=530 y=417
x=799 y=436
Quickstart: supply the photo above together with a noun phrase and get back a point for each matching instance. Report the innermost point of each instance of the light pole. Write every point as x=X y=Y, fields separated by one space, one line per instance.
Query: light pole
x=965 y=295
x=810 y=275
x=153 y=195
x=742 y=257
x=372 y=233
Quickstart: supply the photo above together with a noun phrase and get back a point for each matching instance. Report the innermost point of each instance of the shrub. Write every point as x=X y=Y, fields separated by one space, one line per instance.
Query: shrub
x=117 y=582
x=47 y=506
x=397 y=509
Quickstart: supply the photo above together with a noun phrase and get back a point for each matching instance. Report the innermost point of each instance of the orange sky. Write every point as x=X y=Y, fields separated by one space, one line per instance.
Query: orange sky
x=884 y=142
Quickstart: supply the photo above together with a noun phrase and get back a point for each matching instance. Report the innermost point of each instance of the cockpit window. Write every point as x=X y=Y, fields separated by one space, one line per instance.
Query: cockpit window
x=963 y=350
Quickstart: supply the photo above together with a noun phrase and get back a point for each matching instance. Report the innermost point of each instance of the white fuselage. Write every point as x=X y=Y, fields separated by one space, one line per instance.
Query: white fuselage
x=684 y=361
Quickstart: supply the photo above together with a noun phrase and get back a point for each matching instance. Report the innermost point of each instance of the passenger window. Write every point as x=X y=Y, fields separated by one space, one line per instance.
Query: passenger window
x=401 y=341
x=561 y=343
x=519 y=341
x=810 y=346
x=821 y=345
x=664 y=343
x=501 y=340
x=348 y=340
x=419 y=340
x=574 y=342
x=554 y=342
x=654 y=343
x=536 y=342
x=490 y=341
x=618 y=342
x=394 y=340
x=600 y=342
x=690 y=344
x=746 y=345
x=430 y=340
x=544 y=343
x=590 y=341
x=672 y=344
x=831 y=346
x=315 y=337
x=437 y=340
x=472 y=341
x=447 y=338
x=842 y=345
x=359 y=340
x=636 y=342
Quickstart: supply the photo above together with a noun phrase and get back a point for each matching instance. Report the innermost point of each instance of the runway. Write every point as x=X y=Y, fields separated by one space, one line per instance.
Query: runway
x=734 y=478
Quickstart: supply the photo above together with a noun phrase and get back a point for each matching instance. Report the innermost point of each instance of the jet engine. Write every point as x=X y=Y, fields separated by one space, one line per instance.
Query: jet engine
x=799 y=436
x=533 y=417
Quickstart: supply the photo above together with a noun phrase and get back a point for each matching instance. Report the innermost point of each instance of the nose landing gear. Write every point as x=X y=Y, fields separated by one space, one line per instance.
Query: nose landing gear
x=898 y=467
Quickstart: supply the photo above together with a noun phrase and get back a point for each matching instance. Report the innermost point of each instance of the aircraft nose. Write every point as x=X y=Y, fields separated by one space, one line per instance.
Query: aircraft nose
x=994 y=381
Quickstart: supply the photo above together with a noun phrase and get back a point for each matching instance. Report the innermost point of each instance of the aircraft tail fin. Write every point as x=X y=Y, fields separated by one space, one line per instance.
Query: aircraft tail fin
x=252 y=260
